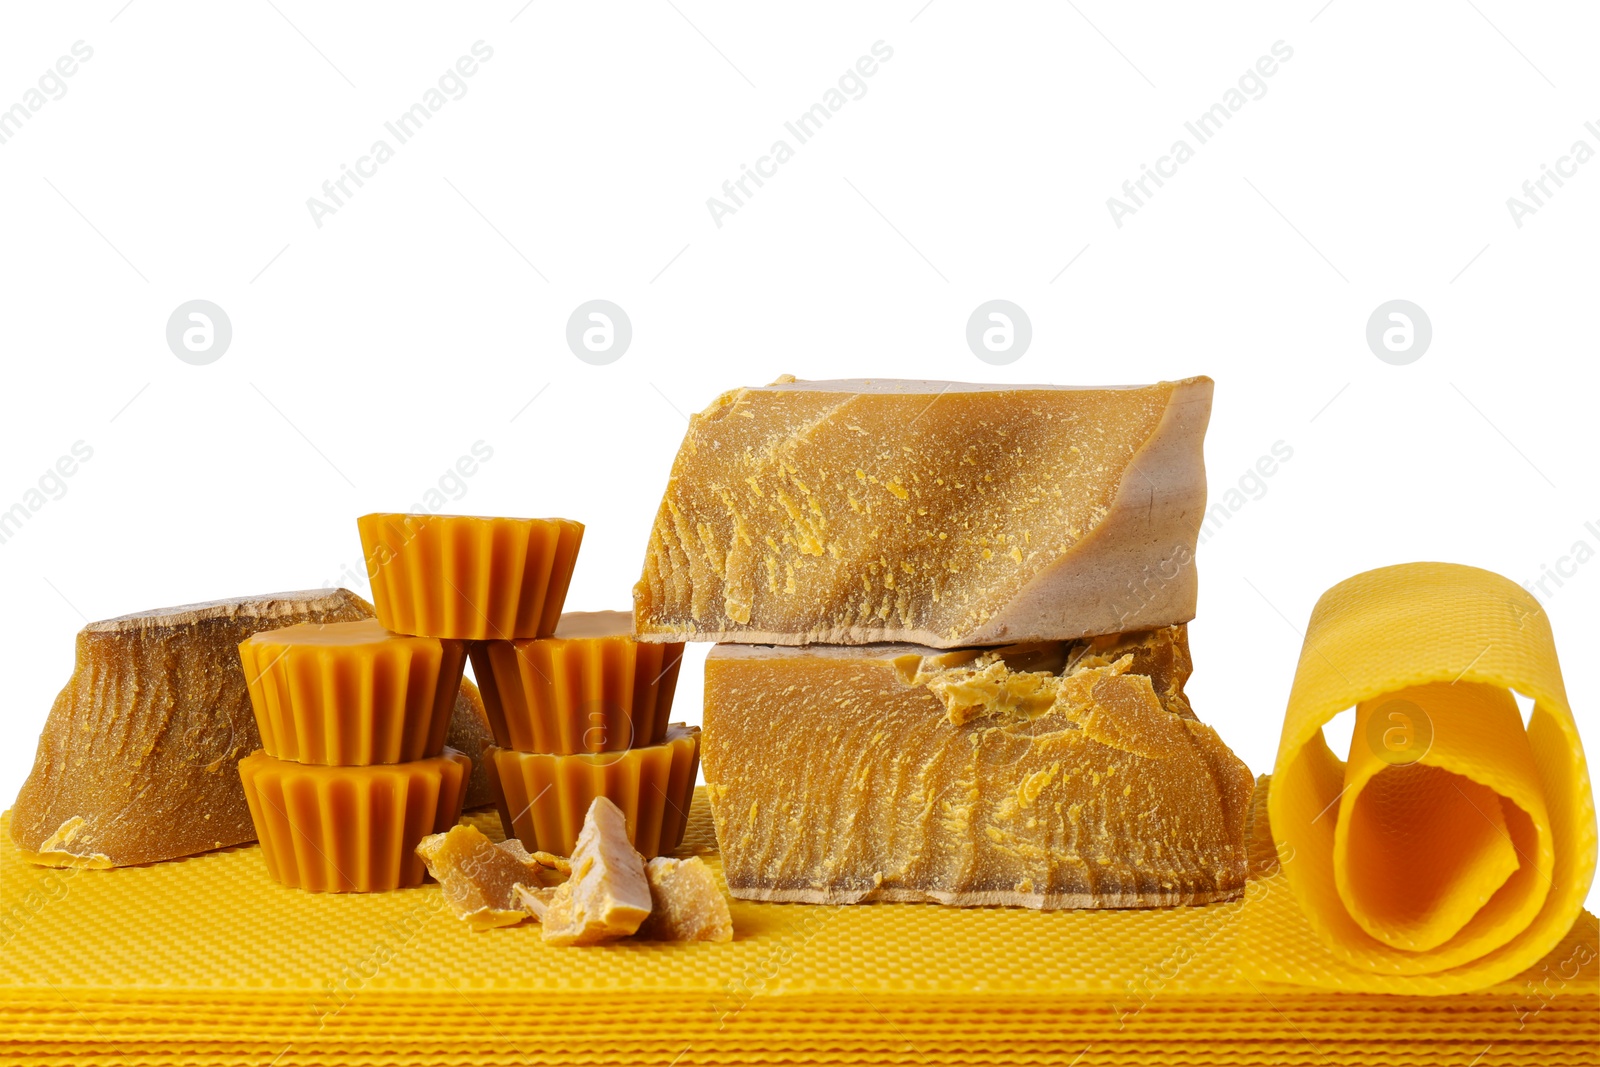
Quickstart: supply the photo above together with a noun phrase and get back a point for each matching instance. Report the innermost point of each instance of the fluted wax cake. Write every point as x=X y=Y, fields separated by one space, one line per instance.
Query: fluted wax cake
x=1047 y=775
x=941 y=513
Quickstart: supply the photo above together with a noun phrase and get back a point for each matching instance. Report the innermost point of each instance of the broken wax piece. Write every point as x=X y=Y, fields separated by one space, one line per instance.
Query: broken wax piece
x=589 y=688
x=540 y=796
x=351 y=829
x=940 y=513
x=479 y=877
x=469 y=733
x=535 y=900
x=469 y=577
x=686 y=902
x=1045 y=775
x=1455 y=840
x=351 y=693
x=607 y=896
x=137 y=760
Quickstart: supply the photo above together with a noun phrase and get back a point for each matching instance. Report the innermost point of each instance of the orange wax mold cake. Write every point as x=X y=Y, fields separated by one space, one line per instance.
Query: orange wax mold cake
x=589 y=688
x=351 y=829
x=543 y=798
x=469 y=577
x=351 y=693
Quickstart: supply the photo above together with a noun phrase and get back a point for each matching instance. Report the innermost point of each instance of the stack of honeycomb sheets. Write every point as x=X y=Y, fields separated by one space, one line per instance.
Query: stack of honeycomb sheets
x=208 y=960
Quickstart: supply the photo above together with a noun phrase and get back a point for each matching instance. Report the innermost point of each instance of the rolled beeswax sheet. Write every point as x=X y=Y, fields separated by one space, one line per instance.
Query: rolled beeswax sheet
x=1452 y=843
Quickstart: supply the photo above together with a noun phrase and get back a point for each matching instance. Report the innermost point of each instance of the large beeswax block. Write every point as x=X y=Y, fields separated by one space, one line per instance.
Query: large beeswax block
x=351 y=693
x=469 y=577
x=137 y=761
x=1049 y=775
x=589 y=688
x=351 y=829
x=939 y=513
x=543 y=798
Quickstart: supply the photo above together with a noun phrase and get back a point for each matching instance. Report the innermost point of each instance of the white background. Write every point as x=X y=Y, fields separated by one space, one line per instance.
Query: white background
x=429 y=311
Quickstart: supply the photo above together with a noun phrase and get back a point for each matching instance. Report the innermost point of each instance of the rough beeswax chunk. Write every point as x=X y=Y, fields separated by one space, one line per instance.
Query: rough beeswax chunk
x=469 y=577
x=351 y=829
x=469 y=735
x=687 y=904
x=1049 y=775
x=480 y=878
x=351 y=693
x=607 y=896
x=938 y=513
x=137 y=761
x=589 y=688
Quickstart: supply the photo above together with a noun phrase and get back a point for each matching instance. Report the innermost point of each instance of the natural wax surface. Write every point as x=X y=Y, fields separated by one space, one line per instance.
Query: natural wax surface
x=138 y=759
x=543 y=798
x=940 y=513
x=469 y=735
x=352 y=693
x=607 y=896
x=591 y=687
x=351 y=829
x=686 y=902
x=480 y=877
x=1047 y=776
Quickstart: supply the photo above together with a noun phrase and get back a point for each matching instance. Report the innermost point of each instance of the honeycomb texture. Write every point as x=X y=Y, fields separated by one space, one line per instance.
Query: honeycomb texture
x=207 y=960
x=1453 y=846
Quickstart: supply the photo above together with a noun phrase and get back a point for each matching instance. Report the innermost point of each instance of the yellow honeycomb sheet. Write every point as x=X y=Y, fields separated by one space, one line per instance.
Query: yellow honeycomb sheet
x=1453 y=849
x=207 y=960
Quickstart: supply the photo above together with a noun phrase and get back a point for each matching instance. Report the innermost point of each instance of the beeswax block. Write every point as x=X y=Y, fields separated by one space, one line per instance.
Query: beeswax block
x=686 y=902
x=939 y=513
x=607 y=896
x=1045 y=775
x=469 y=577
x=469 y=733
x=1453 y=841
x=351 y=693
x=137 y=761
x=542 y=798
x=589 y=688
x=479 y=878
x=351 y=829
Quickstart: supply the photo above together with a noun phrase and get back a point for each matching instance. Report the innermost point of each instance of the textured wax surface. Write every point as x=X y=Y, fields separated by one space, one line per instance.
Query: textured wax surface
x=939 y=513
x=1453 y=843
x=908 y=774
x=138 y=758
x=478 y=876
x=469 y=735
x=208 y=959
